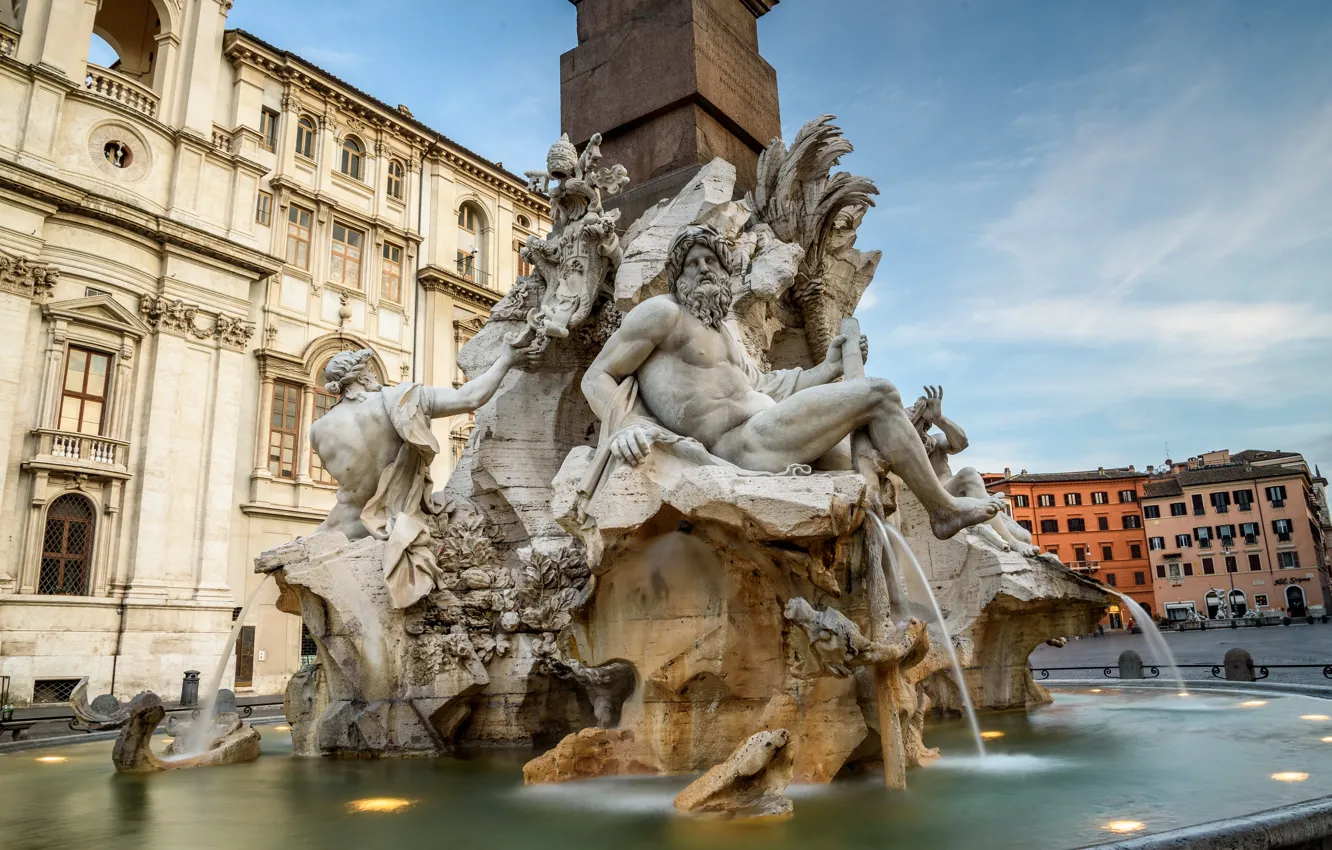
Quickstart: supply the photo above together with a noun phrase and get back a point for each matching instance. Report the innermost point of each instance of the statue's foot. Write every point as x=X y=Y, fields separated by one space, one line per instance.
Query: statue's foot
x=989 y=535
x=964 y=513
x=1026 y=550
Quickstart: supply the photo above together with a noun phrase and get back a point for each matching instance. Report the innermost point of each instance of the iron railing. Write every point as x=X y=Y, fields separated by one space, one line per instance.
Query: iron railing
x=1152 y=671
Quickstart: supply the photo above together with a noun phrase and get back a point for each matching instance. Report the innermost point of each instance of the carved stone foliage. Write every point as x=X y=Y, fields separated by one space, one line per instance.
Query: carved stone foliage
x=176 y=317
x=22 y=276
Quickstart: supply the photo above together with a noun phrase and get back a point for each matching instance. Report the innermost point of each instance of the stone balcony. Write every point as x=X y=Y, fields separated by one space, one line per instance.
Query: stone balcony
x=86 y=454
x=106 y=83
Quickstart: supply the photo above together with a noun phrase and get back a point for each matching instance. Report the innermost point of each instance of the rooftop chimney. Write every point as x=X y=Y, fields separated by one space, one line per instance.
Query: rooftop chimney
x=1008 y=473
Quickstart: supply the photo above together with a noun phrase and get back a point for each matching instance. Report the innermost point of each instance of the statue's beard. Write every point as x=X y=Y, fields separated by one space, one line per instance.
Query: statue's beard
x=708 y=299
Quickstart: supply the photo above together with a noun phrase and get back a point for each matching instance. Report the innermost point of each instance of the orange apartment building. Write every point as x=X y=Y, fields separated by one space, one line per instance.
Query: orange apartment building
x=1252 y=527
x=1093 y=522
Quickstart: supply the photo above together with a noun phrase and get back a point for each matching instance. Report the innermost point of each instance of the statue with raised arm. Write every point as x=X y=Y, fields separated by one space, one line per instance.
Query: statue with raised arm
x=674 y=369
x=1001 y=530
x=377 y=443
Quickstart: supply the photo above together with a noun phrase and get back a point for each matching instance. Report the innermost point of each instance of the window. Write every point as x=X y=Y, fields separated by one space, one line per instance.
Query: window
x=298 y=236
x=1135 y=551
x=1156 y=543
x=352 y=163
x=1260 y=599
x=47 y=691
x=1103 y=523
x=1188 y=569
x=1107 y=552
x=1183 y=541
x=1077 y=524
x=391 y=287
x=263 y=209
x=1283 y=528
x=1020 y=501
x=1288 y=560
x=1249 y=530
x=268 y=129
x=1175 y=570
x=1198 y=509
x=1203 y=534
x=1079 y=553
x=305 y=136
x=1072 y=499
x=66 y=547
x=1209 y=566
x=393 y=186
x=1139 y=577
x=323 y=403
x=1178 y=509
x=1128 y=496
x=467 y=218
x=521 y=266
x=1244 y=499
x=459 y=437
x=1151 y=511
x=467 y=265
x=1220 y=501
x=345 y=262
x=83 y=397
x=1049 y=526
x=283 y=424
x=1053 y=550
x=1131 y=521
x=1100 y=498
x=1277 y=495
x=1160 y=570
x=1026 y=524
x=524 y=221
x=1255 y=563
x=1111 y=580
x=1231 y=565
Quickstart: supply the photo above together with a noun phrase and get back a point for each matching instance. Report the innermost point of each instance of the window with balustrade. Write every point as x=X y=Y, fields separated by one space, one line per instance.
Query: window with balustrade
x=352 y=162
x=67 y=547
x=84 y=392
x=345 y=262
x=284 y=430
x=305 y=137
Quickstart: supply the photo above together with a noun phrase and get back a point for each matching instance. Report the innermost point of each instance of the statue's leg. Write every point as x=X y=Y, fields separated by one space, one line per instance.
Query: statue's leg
x=808 y=424
x=969 y=483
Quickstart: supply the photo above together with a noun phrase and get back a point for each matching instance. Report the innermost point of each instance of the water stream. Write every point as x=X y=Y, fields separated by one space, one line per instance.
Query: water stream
x=198 y=733
x=1160 y=649
x=888 y=536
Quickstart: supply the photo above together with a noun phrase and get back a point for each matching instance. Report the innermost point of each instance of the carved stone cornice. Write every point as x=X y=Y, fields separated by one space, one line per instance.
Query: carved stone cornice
x=437 y=279
x=25 y=277
x=176 y=317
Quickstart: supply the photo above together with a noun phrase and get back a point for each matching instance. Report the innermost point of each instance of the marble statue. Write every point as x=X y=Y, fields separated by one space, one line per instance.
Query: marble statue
x=1001 y=530
x=377 y=443
x=672 y=368
x=583 y=248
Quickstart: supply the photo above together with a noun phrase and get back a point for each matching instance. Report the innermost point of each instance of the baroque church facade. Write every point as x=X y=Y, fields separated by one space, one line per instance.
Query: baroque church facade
x=186 y=238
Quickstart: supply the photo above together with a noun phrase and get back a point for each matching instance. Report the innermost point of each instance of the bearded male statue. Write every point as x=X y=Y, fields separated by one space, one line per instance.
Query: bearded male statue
x=674 y=368
x=377 y=443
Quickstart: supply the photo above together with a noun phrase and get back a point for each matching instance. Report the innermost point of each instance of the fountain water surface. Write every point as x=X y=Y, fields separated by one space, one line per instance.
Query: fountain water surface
x=888 y=536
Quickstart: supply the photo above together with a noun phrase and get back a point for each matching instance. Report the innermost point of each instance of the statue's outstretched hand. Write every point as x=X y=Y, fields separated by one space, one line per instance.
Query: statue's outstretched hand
x=835 y=349
x=517 y=346
x=933 y=403
x=631 y=445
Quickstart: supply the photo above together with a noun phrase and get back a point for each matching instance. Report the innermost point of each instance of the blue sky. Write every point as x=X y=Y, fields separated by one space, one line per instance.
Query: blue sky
x=1106 y=226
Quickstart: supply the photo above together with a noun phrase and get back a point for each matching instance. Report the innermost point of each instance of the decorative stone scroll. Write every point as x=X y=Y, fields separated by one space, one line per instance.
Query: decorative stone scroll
x=176 y=317
x=25 y=277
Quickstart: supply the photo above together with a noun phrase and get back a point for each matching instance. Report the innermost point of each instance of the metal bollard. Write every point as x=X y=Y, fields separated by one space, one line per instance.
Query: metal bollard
x=189 y=689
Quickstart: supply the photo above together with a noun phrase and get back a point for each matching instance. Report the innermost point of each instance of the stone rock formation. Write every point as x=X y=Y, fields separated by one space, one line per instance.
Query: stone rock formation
x=231 y=741
x=103 y=714
x=585 y=755
x=749 y=783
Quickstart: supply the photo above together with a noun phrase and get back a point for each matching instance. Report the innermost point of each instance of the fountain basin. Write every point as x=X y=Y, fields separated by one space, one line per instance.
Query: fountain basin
x=1055 y=779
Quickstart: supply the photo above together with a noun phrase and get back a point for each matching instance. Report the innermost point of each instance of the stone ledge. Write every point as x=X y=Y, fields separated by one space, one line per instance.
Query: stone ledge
x=1302 y=826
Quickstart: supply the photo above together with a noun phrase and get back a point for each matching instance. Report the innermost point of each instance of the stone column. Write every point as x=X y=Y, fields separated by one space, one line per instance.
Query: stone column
x=261 y=431
x=197 y=97
x=122 y=392
x=303 y=438
x=215 y=488
x=48 y=410
x=15 y=312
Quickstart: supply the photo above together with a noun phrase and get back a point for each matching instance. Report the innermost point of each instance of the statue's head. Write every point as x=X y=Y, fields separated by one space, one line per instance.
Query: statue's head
x=349 y=374
x=698 y=266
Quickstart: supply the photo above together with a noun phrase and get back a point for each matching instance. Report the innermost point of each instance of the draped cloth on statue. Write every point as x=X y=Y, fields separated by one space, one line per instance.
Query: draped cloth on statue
x=398 y=512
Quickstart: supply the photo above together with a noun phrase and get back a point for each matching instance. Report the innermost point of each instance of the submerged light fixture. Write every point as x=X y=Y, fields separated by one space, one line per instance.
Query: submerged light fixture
x=52 y=759
x=991 y=735
x=1252 y=703
x=1290 y=776
x=382 y=805
x=1123 y=826
x=1314 y=717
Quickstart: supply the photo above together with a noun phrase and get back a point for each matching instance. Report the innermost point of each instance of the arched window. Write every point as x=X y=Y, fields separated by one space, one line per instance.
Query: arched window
x=394 y=186
x=471 y=260
x=67 y=547
x=323 y=403
x=353 y=158
x=524 y=221
x=1239 y=603
x=467 y=218
x=459 y=437
x=305 y=136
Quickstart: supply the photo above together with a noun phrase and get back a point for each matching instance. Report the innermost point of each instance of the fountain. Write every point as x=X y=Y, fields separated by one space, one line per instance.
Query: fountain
x=197 y=736
x=1155 y=640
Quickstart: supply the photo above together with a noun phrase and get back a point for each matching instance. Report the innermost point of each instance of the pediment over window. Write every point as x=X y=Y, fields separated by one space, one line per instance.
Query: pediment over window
x=100 y=311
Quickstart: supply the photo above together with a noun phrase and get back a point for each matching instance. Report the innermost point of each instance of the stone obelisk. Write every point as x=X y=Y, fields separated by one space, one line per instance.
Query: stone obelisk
x=670 y=84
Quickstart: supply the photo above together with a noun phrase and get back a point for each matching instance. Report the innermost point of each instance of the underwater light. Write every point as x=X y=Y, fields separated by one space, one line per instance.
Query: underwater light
x=52 y=759
x=1327 y=740
x=1313 y=717
x=1096 y=690
x=1253 y=703
x=1290 y=776
x=990 y=736
x=281 y=728
x=379 y=804
x=1124 y=825
x=1184 y=693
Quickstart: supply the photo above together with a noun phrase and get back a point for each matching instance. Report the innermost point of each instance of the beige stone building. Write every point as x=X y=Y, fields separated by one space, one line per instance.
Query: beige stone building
x=186 y=237
x=1250 y=526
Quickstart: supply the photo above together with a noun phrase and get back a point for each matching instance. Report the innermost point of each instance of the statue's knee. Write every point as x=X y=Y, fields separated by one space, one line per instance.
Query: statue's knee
x=882 y=391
